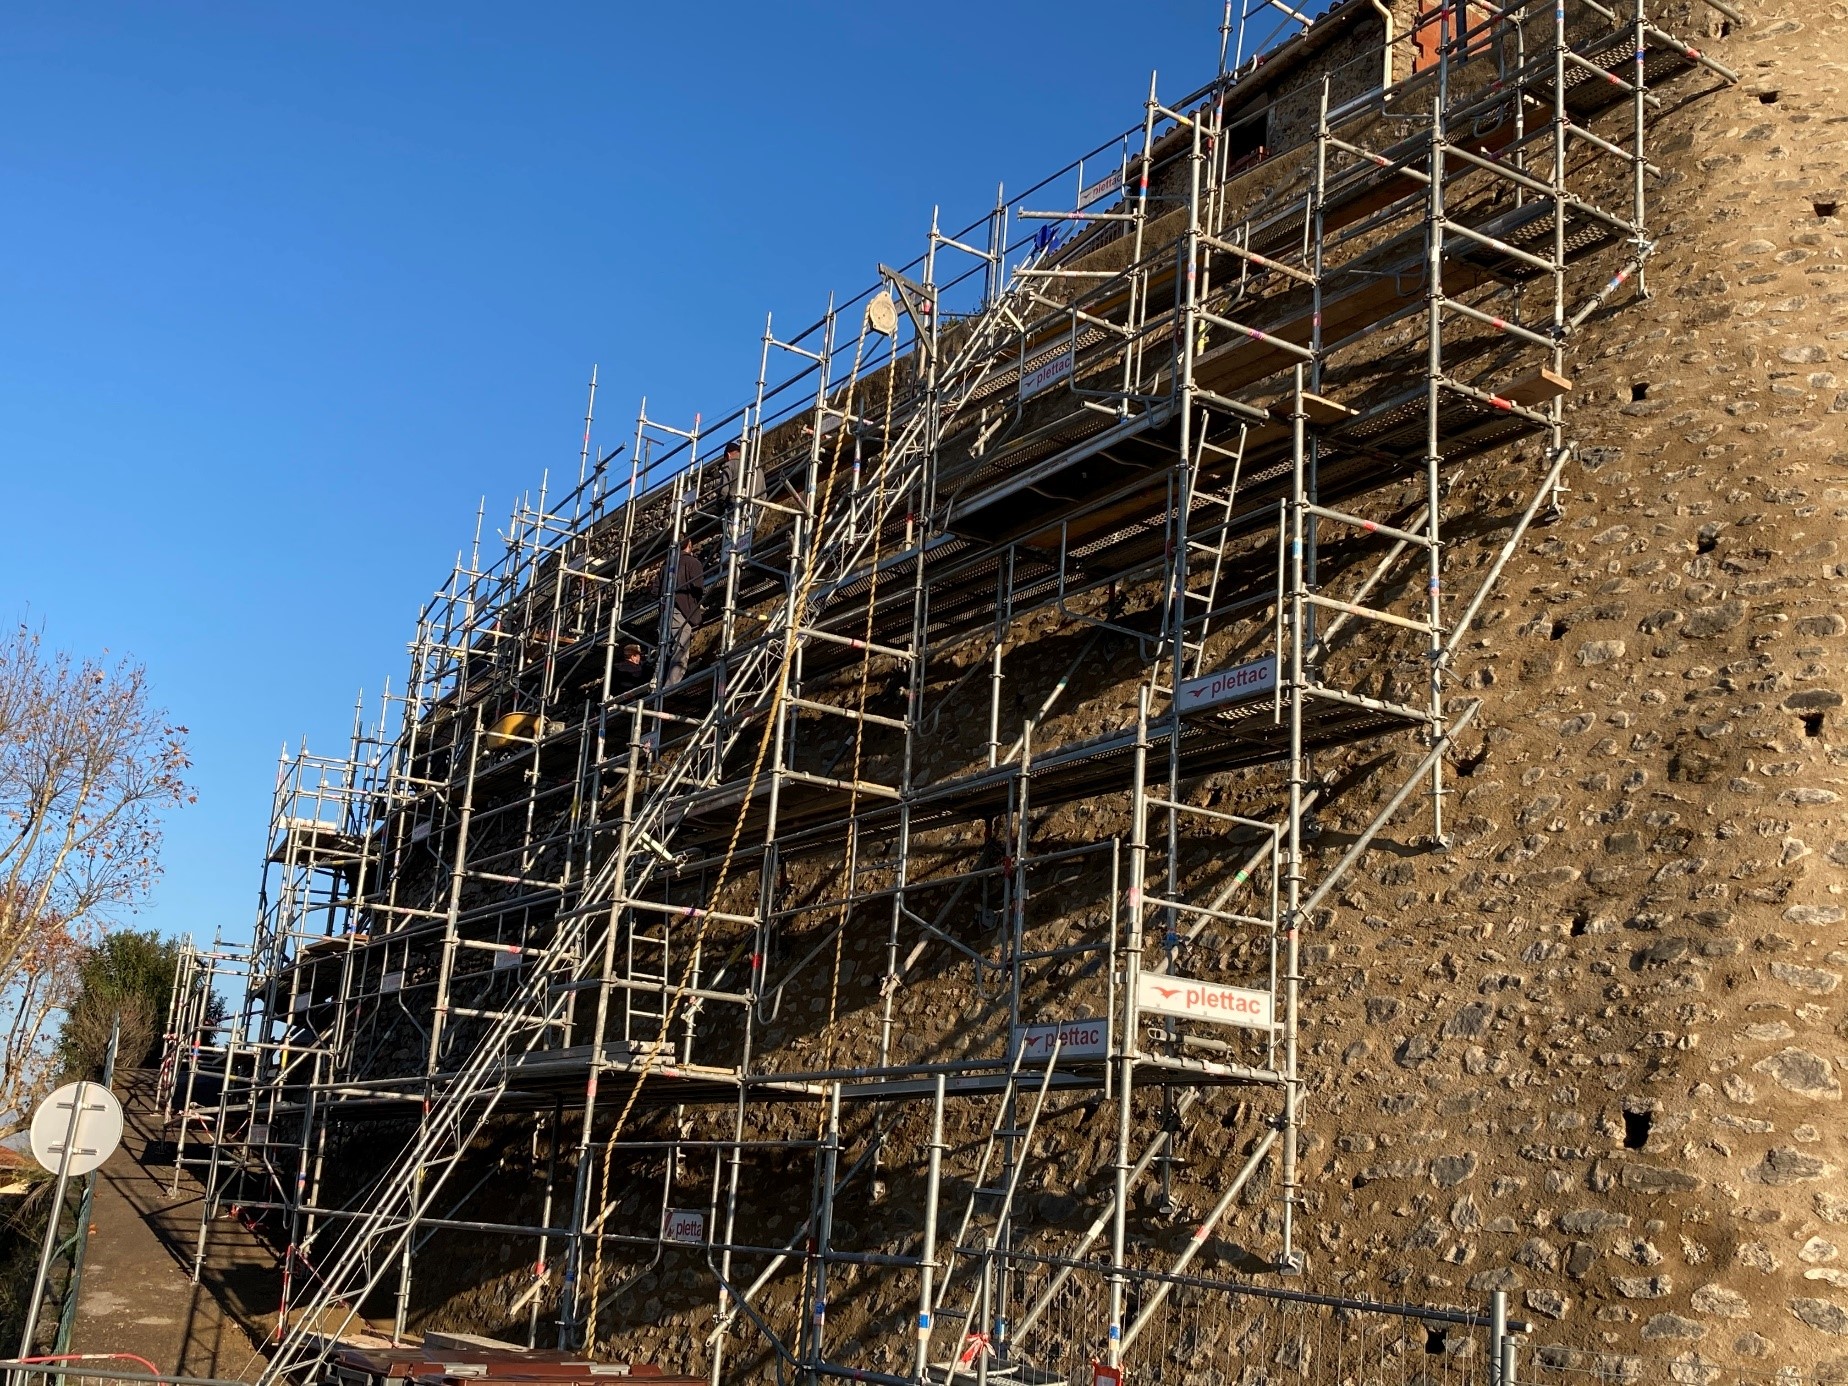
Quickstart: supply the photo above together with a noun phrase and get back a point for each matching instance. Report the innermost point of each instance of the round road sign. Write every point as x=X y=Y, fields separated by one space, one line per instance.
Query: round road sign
x=97 y=1133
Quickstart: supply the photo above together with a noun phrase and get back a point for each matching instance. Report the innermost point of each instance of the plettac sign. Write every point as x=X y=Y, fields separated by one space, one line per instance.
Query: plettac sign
x=1194 y=1000
x=1229 y=685
x=684 y=1225
x=1102 y=188
x=1046 y=374
x=1078 y=1039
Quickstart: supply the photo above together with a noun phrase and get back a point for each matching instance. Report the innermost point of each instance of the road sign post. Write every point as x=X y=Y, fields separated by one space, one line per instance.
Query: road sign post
x=67 y=1321
x=73 y=1131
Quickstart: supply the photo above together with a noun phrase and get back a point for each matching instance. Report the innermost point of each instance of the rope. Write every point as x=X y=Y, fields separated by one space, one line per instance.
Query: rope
x=731 y=848
x=859 y=729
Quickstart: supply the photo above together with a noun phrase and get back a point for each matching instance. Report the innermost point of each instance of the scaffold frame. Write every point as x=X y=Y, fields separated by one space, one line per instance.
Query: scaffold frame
x=1206 y=417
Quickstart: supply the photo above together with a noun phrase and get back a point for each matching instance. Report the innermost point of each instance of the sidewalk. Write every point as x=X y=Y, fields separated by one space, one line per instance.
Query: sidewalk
x=138 y=1294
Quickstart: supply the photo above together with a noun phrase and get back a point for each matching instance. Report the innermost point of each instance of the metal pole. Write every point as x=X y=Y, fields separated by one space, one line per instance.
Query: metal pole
x=571 y=1305
x=1436 y=221
x=1498 y=1334
x=1095 y=1230
x=933 y=1184
x=590 y=414
x=176 y=1010
x=439 y=1013
x=68 y=1319
x=49 y=1245
x=824 y=1232
x=723 y=1314
x=1153 y=1302
x=208 y=1198
x=551 y=1188
x=1639 y=165
x=1126 y=1035
x=1293 y=916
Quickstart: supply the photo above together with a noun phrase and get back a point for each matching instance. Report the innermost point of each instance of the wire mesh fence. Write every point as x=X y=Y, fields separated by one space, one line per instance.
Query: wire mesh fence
x=96 y=1369
x=1553 y=1363
x=1196 y=1331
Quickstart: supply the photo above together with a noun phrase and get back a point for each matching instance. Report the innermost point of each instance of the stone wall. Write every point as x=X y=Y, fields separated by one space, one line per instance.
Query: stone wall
x=1593 y=1053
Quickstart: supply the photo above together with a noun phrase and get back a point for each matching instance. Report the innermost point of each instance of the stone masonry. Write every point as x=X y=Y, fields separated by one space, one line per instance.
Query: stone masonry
x=1593 y=1054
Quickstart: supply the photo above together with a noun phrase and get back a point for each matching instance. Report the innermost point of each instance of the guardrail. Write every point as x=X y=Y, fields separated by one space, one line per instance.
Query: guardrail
x=85 y=1368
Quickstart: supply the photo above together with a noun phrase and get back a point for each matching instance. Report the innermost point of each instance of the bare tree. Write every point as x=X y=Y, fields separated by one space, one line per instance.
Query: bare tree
x=44 y=981
x=87 y=769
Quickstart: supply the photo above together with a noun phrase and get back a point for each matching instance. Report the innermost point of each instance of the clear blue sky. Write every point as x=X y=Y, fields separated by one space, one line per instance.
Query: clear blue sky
x=286 y=289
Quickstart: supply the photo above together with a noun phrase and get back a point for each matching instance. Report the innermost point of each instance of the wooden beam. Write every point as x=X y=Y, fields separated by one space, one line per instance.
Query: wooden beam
x=1536 y=387
x=1322 y=410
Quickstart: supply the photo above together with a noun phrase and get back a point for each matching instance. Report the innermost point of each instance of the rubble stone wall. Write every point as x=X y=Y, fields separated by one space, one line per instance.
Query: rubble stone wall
x=1593 y=1053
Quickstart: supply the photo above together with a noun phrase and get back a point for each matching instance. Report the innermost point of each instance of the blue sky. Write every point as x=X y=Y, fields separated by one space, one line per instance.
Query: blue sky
x=285 y=290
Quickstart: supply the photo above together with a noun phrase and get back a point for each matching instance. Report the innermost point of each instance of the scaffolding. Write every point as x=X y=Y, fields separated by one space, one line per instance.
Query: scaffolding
x=1181 y=419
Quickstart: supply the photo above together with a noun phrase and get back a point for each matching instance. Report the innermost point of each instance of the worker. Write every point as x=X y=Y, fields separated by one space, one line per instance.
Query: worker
x=683 y=587
x=629 y=671
x=748 y=477
x=747 y=481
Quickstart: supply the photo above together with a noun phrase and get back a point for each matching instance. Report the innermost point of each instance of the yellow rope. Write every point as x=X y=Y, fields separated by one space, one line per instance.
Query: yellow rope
x=731 y=849
x=859 y=730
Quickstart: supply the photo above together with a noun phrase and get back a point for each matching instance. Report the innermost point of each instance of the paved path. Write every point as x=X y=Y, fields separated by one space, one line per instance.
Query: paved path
x=138 y=1294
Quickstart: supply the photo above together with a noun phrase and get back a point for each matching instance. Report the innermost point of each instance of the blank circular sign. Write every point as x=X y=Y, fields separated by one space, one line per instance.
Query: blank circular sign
x=98 y=1131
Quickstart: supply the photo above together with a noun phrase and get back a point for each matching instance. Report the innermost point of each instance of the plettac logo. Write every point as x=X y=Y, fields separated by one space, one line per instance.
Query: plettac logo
x=1047 y=374
x=1210 y=1001
x=684 y=1225
x=1078 y=1039
x=1228 y=685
